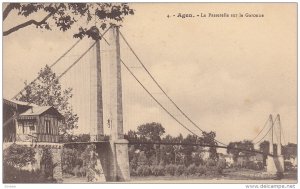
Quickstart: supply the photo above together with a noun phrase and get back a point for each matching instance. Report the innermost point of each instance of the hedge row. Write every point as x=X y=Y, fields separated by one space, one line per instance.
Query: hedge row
x=15 y=175
x=178 y=170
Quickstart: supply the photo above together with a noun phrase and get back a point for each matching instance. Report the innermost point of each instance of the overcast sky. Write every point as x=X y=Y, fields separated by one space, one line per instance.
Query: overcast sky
x=227 y=74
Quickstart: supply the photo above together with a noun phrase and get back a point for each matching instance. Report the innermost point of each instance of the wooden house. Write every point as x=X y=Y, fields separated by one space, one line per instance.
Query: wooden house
x=34 y=123
x=11 y=109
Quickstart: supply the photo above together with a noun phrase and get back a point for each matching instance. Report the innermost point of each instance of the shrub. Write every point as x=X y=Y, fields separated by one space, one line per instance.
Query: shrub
x=15 y=175
x=179 y=170
x=18 y=155
x=47 y=165
x=201 y=169
x=221 y=164
x=139 y=170
x=143 y=170
x=79 y=171
x=170 y=169
x=146 y=170
x=133 y=172
x=192 y=169
x=254 y=166
x=70 y=158
x=211 y=163
x=157 y=170
x=212 y=171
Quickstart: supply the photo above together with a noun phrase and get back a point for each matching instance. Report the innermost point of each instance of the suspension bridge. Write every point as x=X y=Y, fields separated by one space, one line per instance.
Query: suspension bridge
x=96 y=78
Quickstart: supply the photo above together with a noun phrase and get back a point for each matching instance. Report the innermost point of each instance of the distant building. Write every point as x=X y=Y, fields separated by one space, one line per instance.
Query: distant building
x=205 y=154
x=242 y=159
x=28 y=122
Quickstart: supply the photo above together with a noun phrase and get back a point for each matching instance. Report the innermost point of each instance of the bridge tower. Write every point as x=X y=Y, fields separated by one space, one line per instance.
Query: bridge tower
x=106 y=104
x=119 y=146
x=96 y=102
x=275 y=163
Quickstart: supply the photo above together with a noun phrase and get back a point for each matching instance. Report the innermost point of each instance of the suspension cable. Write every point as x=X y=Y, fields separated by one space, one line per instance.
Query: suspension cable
x=149 y=93
x=159 y=86
x=267 y=132
x=53 y=64
x=61 y=75
x=261 y=129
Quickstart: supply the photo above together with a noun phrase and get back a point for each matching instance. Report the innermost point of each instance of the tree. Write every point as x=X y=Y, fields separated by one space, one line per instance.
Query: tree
x=18 y=156
x=236 y=148
x=167 y=151
x=187 y=150
x=151 y=131
x=64 y=15
x=47 y=91
x=289 y=151
x=265 y=148
x=90 y=157
x=208 y=138
x=47 y=164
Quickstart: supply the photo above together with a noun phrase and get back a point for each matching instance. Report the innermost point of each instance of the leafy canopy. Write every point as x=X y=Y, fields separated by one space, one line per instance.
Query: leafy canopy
x=240 y=148
x=64 y=15
x=18 y=155
x=47 y=91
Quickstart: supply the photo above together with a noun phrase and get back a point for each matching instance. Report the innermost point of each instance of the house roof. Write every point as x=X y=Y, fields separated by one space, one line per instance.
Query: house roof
x=16 y=103
x=39 y=110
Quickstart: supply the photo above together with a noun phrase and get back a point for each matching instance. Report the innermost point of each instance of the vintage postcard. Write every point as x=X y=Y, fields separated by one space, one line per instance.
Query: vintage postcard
x=150 y=93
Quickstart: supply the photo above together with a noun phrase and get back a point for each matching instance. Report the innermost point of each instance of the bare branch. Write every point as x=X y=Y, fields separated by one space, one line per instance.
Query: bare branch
x=30 y=22
x=7 y=10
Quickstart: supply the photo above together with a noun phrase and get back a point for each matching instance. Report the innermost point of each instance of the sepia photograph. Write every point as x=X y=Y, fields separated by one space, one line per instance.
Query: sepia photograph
x=112 y=92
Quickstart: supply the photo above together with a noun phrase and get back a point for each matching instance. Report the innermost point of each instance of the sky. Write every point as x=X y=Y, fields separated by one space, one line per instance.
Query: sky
x=228 y=74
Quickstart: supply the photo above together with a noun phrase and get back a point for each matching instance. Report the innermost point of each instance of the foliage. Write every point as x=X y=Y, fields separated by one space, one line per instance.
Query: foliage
x=158 y=170
x=289 y=151
x=265 y=148
x=15 y=175
x=210 y=163
x=139 y=171
x=201 y=169
x=47 y=162
x=77 y=138
x=47 y=91
x=64 y=15
x=19 y=156
x=242 y=147
x=187 y=150
x=221 y=164
x=254 y=165
x=142 y=159
x=70 y=159
x=151 y=131
x=89 y=157
x=192 y=169
x=170 y=169
x=180 y=169
x=209 y=139
x=172 y=160
x=144 y=170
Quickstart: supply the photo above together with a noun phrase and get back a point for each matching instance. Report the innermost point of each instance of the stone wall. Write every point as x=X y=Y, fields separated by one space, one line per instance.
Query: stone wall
x=56 y=152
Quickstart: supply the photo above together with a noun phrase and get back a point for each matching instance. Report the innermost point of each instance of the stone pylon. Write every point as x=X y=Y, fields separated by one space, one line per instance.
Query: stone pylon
x=96 y=102
x=119 y=146
x=275 y=163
